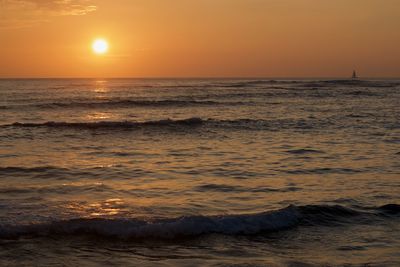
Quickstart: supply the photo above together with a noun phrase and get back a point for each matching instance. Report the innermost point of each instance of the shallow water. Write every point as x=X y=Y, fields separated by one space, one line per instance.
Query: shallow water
x=211 y=172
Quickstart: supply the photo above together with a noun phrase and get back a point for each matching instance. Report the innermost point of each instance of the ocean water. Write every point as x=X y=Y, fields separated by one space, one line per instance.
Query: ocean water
x=212 y=172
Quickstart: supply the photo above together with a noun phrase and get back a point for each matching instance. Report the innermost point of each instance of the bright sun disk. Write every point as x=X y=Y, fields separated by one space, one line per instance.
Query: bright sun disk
x=100 y=46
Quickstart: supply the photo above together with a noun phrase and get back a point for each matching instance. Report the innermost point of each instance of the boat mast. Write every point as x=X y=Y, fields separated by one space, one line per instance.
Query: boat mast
x=354 y=75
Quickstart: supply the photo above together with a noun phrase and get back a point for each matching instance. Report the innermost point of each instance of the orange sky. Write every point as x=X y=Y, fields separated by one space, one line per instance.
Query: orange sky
x=200 y=38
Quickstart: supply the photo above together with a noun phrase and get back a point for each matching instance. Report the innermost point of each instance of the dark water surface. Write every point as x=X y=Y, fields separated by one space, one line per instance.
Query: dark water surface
x=140 y=172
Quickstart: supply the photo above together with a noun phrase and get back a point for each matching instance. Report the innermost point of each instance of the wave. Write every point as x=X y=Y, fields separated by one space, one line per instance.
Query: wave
x=241 y=124
x=304 y=151
x=57 y=189
x=126 y=104
x=249 y=83
x=136 y=103
x=192 y=226
x=224 y=188
x=29 y=170
x=110 y=124
x=355 y=83
x=324 y=171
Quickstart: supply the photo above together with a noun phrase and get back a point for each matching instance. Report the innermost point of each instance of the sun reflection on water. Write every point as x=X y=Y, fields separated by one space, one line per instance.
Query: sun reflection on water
x=100 y=86
x=107 y=208
x=98 y=116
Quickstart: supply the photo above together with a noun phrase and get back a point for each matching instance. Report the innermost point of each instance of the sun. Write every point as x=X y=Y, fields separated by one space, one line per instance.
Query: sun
x=100 y=46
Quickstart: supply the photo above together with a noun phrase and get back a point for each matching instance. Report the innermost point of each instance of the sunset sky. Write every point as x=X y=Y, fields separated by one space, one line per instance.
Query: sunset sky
x=200 y=38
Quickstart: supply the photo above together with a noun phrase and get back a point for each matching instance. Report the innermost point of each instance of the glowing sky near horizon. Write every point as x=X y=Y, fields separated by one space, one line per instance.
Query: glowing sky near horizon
x=207 y=38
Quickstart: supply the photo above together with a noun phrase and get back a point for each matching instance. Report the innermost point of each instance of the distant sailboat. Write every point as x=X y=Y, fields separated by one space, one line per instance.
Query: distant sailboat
x=354 y=77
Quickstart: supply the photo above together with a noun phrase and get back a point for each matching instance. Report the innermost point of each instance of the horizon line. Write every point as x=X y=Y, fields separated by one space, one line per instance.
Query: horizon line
x=204 y=77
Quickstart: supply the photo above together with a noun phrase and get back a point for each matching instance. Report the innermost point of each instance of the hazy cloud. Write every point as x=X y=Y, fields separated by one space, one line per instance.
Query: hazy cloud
x=23 y=13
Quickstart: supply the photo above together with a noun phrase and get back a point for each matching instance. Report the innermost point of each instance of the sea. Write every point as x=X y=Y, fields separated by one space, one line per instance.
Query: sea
x=199 y=172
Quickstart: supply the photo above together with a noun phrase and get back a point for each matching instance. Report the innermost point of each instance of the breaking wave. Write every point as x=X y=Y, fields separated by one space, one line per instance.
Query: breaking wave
x=192 y=226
